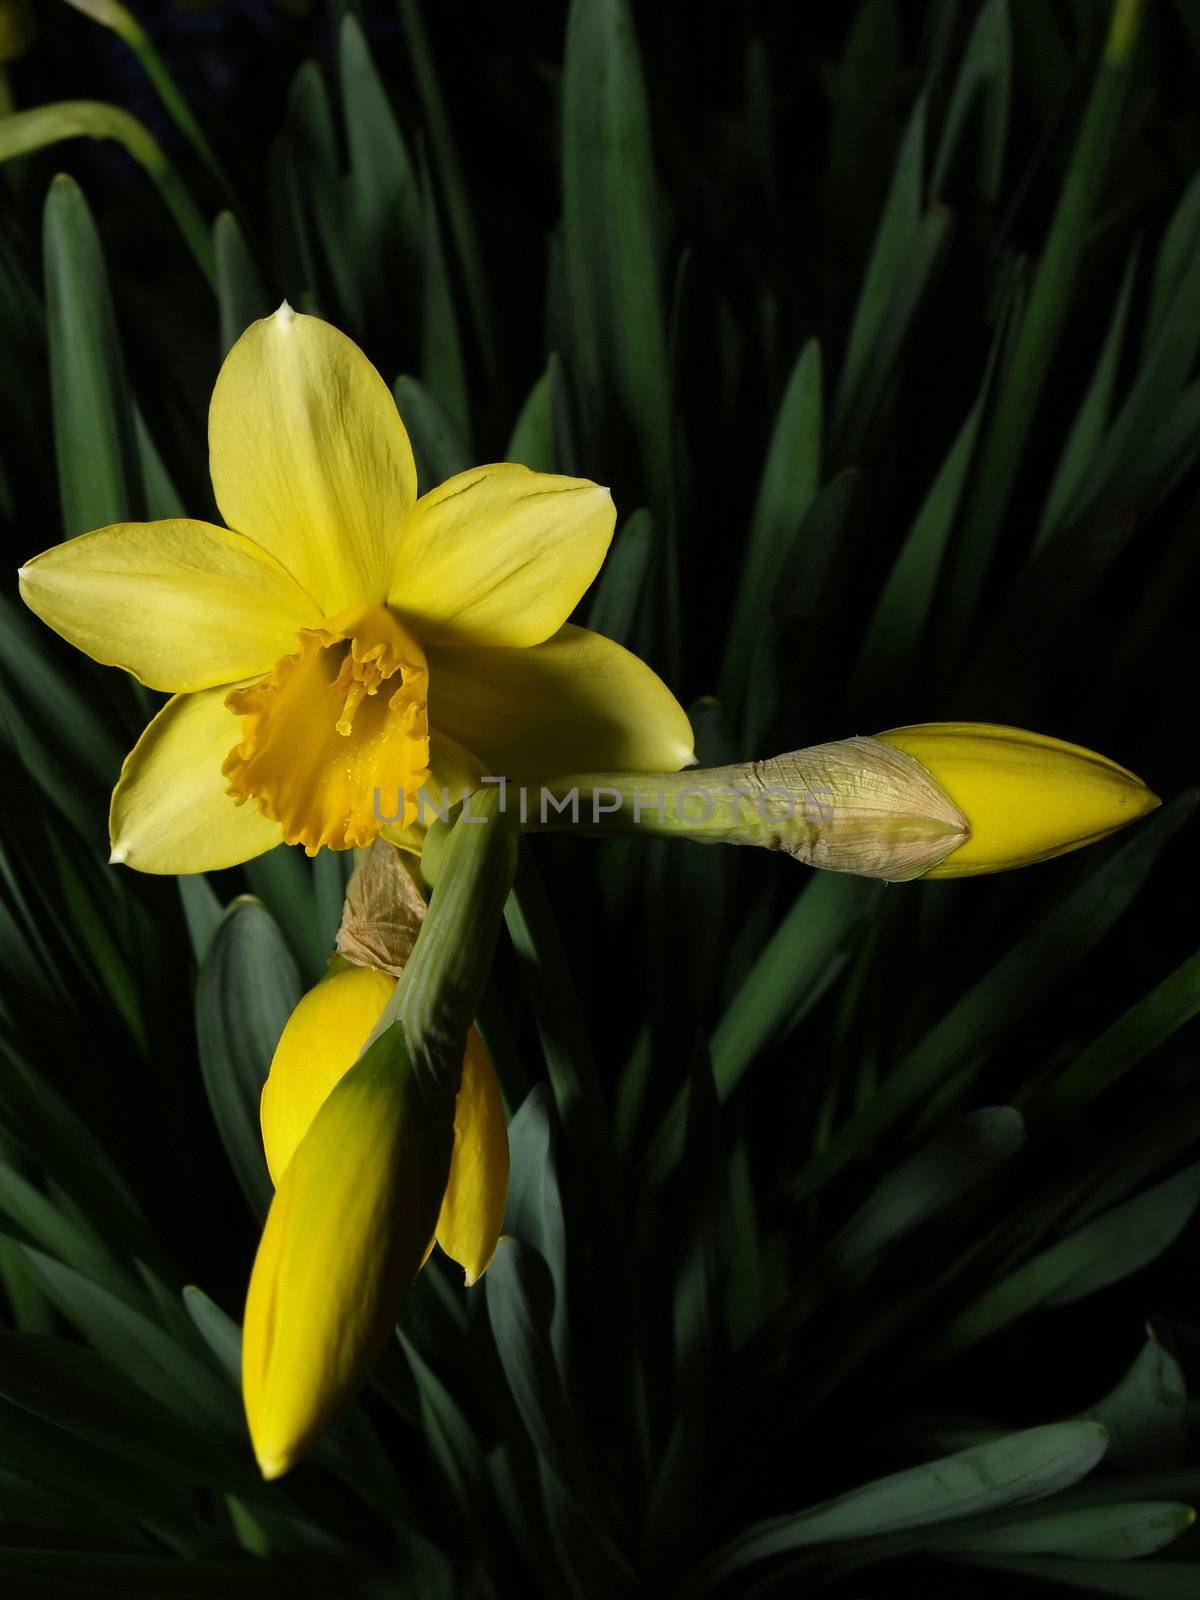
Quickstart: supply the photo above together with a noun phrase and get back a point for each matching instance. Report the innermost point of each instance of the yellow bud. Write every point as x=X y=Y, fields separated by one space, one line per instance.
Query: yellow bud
x=346 y=1233
x=365 y=1178
x=1026 y=797
x=319 y=1044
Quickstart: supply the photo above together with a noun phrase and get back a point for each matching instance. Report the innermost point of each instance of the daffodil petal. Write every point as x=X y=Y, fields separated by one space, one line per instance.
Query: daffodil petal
x=170 y=811
x=472 y=1211
x=309 y=457
x=500 y=555
x=320 y=1042
x=182 y=605
x=577 y=703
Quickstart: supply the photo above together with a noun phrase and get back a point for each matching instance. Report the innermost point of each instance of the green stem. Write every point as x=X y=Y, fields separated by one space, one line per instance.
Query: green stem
x=110 y=14
x=26 y=131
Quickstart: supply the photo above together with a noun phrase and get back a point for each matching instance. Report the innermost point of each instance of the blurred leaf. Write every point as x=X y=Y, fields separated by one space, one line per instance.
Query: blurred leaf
x=1012 y=1470
x=82 y=1392
x=95 y=448
x=386 y=210
x=1101 y=1253
x=282 y=881
x=443 y=367
x=931 y=1182
x=786 y=489
x=1146 y=1414
x=977 y=115
x=145 y=1352
x=621 y=586
x=241 y=296
x=438 y=444
x=803 y=957
x=320 y=194
x=25 y=131
x=1155 y=1017
x=1064 y=937
x=1156 y=1580
x=1105 y=1533
x=453 y=185
x=520 y=1303
x=1071 y=478
x=535 y=1207
x=247 y=988
x=1020 y=383
x=611 y=234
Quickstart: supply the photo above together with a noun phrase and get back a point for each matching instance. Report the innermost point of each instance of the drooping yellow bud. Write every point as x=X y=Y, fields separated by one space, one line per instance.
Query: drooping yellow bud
x=366 y=1178
x=318 y=1046
x=1026 y=796
x=347 y=1231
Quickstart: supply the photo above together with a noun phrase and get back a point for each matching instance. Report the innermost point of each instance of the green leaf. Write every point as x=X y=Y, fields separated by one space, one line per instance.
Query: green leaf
x=977 y=116
x=1153 y=1580
x=534 y=1213
x=898 y=624
x=247 y=988
x=86 y=747
x=386 y=201
x=930 y=1183
x=520 y=1303
x=621 y=587
x=802 y=958
x=26 y=131
x=1156 y=1016
x=313 y=148
x=443 y=366
x=1021 y=382
x=1071 y=477
x=282 y=881
x=241 y=295
x=80 y=1391
x=1146 y=1414
x=1011 y=1470
x=145 y=1352
x=786 y=489
x=1064 y=937
x=454 y=187
x=611 y=235
x=94 y=440
x=1104 y=1251
x=1103 y=1533
x=438 y=444
x=202 y=911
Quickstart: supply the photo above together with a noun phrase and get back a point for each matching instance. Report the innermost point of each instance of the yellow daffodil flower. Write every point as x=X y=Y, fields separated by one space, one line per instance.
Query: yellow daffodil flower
x=346 y=1232
x=341 y=643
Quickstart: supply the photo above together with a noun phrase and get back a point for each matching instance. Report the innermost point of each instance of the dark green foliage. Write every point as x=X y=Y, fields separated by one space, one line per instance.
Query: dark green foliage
x=837 y=1213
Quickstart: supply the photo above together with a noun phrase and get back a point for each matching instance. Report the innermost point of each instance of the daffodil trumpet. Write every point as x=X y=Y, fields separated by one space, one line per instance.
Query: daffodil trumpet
x=384 y=1131
x=936 y=800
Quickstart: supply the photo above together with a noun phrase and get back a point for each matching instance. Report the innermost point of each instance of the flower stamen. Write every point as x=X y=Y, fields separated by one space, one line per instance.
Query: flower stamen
x=319 y=740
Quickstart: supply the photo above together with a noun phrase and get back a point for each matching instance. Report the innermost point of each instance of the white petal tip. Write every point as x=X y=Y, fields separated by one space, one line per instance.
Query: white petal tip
x=285 y=316
x=118 y=855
